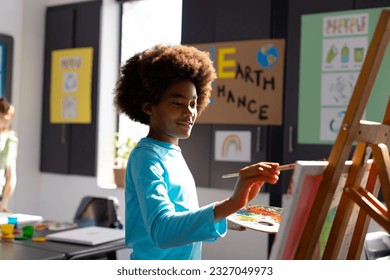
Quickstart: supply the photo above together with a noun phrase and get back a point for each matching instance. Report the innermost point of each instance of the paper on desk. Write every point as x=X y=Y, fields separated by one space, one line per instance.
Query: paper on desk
x=22 y=218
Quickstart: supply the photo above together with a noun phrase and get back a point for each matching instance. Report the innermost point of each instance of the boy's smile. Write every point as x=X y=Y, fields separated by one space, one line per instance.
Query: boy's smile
x=174 y=116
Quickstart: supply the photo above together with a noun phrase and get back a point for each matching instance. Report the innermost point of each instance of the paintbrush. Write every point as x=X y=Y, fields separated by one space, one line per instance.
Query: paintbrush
x=280 y=168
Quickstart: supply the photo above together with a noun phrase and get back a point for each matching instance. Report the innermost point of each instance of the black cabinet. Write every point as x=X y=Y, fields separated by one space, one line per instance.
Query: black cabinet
x=292 y=150
x=70 y=148
x=207 y=21
x=221 y=21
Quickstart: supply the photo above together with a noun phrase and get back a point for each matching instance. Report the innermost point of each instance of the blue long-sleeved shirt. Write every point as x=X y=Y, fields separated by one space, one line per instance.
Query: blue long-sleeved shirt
x=163 y=219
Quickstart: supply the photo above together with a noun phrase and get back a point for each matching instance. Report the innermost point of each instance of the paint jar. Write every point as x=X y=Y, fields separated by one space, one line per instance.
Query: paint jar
x=28 y=231
x=7 y=231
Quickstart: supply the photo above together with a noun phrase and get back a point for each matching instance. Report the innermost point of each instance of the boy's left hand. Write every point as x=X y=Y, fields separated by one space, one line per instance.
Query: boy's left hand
x=234 y=226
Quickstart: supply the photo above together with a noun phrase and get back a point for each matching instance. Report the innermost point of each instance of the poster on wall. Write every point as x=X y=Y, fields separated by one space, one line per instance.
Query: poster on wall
x=233 y=145
x=249 y=85
x=71 y=86
x=333 y=49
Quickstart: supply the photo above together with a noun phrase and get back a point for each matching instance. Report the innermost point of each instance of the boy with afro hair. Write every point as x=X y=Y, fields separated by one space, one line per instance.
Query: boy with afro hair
x=167 y=88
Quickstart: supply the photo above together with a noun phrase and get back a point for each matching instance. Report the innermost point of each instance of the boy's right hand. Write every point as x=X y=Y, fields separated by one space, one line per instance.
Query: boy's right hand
x=251 y=179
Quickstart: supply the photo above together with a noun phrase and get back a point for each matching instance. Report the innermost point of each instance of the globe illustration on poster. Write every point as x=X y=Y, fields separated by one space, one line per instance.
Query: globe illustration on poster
x=267 y=56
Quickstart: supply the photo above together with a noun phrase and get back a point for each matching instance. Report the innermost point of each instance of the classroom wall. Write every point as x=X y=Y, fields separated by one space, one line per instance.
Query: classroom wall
x=56 y=196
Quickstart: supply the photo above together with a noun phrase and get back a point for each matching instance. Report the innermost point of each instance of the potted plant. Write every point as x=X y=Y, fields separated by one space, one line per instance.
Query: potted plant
x=123 y=148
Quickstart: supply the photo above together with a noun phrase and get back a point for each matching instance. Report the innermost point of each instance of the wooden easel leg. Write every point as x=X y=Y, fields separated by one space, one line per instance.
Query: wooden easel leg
x=367 y=200
x=363 y=220
x=344 y=209
x=371 y=205
x=382 y=159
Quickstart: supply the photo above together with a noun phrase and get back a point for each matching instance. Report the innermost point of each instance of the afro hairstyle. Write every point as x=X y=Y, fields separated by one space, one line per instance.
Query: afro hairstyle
x=145 y=76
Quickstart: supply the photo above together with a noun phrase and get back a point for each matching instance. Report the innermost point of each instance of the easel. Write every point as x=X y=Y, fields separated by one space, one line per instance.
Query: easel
x=369 y=136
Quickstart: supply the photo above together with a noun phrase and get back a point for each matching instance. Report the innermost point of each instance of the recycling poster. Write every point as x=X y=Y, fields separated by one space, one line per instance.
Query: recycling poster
x=333 y=49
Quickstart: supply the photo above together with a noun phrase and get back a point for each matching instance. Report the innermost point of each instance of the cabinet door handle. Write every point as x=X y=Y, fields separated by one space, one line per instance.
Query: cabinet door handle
x=63 y=134
x=290 y=138
x=258 y=140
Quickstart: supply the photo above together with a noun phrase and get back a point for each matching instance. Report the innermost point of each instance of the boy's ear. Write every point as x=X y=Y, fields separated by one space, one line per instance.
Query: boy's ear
x=147 y=108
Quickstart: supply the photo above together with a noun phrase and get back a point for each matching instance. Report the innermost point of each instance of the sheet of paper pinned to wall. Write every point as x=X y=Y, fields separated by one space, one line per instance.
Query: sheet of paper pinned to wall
x=233 y=146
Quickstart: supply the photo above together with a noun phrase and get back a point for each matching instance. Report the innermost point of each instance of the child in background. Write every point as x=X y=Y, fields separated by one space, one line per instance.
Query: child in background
x=166 y=88
x=8 y=154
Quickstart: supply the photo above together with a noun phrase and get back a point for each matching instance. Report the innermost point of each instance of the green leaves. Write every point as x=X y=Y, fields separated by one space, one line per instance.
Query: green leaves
x=123 y=148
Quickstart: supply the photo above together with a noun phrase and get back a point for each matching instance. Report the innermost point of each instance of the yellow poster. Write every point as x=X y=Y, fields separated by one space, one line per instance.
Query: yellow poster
x=71 y=86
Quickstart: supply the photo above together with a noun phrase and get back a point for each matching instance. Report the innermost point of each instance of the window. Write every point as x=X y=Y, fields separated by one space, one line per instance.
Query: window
x=146 y=23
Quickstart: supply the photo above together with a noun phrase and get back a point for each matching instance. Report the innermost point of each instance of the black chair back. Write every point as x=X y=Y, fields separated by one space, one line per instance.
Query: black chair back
x=98 y=211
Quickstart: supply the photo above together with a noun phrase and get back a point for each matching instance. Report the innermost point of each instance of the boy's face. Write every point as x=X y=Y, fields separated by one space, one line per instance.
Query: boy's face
x=174 y=116
x=5 y=122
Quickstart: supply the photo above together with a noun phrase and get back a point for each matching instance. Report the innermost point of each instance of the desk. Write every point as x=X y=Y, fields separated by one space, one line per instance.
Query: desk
x=75 y=251
x=13 y=251
x=30 y=250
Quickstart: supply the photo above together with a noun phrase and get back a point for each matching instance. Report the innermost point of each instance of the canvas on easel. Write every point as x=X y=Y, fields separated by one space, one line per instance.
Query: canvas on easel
x=370 y=140
x=304 y=185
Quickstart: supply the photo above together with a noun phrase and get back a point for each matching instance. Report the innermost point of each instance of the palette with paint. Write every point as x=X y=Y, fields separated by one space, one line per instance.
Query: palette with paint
x=258 y=217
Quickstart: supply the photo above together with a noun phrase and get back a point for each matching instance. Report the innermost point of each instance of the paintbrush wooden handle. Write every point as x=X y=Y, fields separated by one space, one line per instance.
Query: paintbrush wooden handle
x=280 y=168
x=286 y=167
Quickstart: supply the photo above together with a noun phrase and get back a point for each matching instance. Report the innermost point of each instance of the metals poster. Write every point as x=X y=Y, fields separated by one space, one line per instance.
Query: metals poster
x=71 y=86
x=249 y=85
x=333 y=49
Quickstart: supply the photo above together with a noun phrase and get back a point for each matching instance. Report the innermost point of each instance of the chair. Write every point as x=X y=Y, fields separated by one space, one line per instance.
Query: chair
x=377 y=245
x=99 y=211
